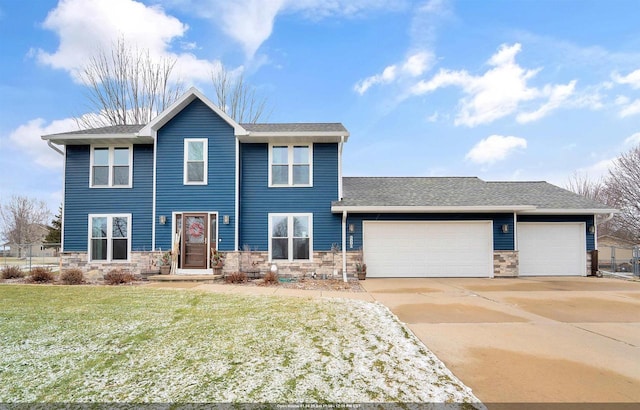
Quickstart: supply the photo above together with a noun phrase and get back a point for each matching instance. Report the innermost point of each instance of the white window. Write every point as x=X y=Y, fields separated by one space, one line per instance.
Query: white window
x=111 y=167
x=195 y=161
x=290 y=236
x=290 y=165
x=109 y=237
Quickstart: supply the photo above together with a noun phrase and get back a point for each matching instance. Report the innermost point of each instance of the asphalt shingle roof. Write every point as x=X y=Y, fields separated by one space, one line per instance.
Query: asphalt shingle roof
x=111 y=129
x=296 y=127
x=458 y=191
x=272 y=127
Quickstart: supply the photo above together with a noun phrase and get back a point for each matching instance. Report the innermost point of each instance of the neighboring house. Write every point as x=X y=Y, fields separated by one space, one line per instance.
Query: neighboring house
x=36 y=249
x=195 y=180
x=613 y=250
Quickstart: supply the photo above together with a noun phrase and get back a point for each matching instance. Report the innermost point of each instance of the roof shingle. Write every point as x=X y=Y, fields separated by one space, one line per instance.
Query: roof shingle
x=457 y=191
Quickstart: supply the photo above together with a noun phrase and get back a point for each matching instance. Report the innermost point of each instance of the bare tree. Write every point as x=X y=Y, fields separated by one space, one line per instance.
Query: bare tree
x=581 y=184
x=236 y=98
x=23 y=220
x=127 y=86
x=623 y=191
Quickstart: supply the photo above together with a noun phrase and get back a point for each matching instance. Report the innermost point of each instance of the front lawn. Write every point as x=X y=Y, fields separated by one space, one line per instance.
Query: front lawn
x=131 y=344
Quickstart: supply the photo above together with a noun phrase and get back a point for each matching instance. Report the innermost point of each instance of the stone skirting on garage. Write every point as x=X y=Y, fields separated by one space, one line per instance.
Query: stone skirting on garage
x=505 y=264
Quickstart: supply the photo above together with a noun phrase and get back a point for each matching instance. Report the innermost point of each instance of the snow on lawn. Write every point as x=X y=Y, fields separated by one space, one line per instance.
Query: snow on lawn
x=129 y=344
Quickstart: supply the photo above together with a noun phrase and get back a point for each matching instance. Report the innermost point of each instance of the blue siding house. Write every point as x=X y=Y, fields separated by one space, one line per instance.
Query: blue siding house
x=196 y=183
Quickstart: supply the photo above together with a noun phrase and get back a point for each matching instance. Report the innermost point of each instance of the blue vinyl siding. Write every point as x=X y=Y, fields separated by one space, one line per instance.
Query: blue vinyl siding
x=80 y=200
x=587 y=219
x=257 y=200
x=196 y=120
x=501 y=241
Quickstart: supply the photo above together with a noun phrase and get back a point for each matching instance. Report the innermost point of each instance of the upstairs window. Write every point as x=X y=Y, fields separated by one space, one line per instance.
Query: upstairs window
x=290 y=165
x=195 y=161
x=111 y=167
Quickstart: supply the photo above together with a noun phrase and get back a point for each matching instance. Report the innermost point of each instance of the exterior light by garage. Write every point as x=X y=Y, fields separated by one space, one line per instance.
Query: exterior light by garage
x=591 y=229
x=505 y=228
x=352 y=228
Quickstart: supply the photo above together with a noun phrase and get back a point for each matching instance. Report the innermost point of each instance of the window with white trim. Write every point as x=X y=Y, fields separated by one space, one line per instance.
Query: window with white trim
x=109 y=237
x=290 y=236
x=111 y=167
x=195 y=161
x=290 y=165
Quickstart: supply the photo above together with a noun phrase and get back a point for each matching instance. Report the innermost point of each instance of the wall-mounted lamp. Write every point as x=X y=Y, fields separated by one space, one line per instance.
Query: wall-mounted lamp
x=592 y=229
x=352 y=228
x=505 y=228
x=225 y=219
x=163 y=219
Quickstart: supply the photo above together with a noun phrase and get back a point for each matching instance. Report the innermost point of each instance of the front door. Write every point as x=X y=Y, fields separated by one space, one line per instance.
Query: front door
x=195 y=234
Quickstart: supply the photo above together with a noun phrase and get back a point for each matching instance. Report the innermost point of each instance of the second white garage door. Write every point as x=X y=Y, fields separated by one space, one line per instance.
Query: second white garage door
x=552 y=249
x=428 y=249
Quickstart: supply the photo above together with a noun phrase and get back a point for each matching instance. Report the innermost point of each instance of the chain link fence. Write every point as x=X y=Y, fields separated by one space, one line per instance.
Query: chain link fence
x=619 y=260
x=28 y=256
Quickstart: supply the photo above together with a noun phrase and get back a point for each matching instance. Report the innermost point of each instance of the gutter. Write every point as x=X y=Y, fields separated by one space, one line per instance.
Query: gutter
x=53 y=147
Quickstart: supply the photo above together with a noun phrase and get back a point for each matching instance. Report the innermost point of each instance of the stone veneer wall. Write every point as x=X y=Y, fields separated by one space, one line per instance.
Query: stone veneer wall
x=505 y=264
x=140 y=262
x=323 y=263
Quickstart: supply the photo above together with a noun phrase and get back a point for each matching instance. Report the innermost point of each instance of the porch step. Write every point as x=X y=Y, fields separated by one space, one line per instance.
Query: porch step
x=183 y=278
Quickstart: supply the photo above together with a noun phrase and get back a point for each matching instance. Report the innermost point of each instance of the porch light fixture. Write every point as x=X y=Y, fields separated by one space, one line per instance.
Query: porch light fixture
x=225 y=219
x=352 y=228
x=591 y=229
x=505 y=228
x=163 y=219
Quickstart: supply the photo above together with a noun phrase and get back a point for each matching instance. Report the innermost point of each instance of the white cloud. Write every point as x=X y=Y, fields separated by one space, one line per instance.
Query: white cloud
x=413 y=66
x=250 y=22
x=499 y=92
x=85 y=27
x=495 y=148
x=631 y=109
x=633 y=139
x=27 y=138
x=557 y=94
x=622 y=100
x=418 y=63
x=632 y=79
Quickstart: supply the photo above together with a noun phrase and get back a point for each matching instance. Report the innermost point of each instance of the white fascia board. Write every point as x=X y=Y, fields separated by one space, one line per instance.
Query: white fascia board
x=178 y=105
x=564 y=211
x=286 y=137
x=430 y=209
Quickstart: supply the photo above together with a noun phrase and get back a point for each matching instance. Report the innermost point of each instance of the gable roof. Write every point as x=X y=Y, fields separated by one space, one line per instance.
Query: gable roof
x=459 y=194
x=178 y=105
x=259 y=132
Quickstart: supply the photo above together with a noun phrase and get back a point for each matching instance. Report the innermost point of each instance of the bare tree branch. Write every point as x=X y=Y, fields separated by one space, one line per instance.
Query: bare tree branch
x=23 y=220
x=236 y=98
x=127 y=86
x=623 y=191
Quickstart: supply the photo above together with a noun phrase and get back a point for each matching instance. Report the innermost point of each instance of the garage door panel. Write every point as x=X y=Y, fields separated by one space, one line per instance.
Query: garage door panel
x=428 y=249
x=552 y=249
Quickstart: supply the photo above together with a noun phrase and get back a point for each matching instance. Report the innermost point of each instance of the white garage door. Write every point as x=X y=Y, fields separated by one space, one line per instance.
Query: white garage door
x=552 y=249
x=428 y=249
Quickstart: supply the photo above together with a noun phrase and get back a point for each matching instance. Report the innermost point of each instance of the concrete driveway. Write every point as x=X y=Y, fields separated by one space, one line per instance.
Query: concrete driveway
x=527 y=340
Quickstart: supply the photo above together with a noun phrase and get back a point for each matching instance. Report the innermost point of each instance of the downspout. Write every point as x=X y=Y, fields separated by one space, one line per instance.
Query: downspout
x=53 y=147
x=344 y=246
x=595 y=224
x=340 y=147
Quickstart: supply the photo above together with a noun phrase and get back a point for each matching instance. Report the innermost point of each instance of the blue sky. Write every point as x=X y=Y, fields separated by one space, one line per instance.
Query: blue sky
x=502 y=90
